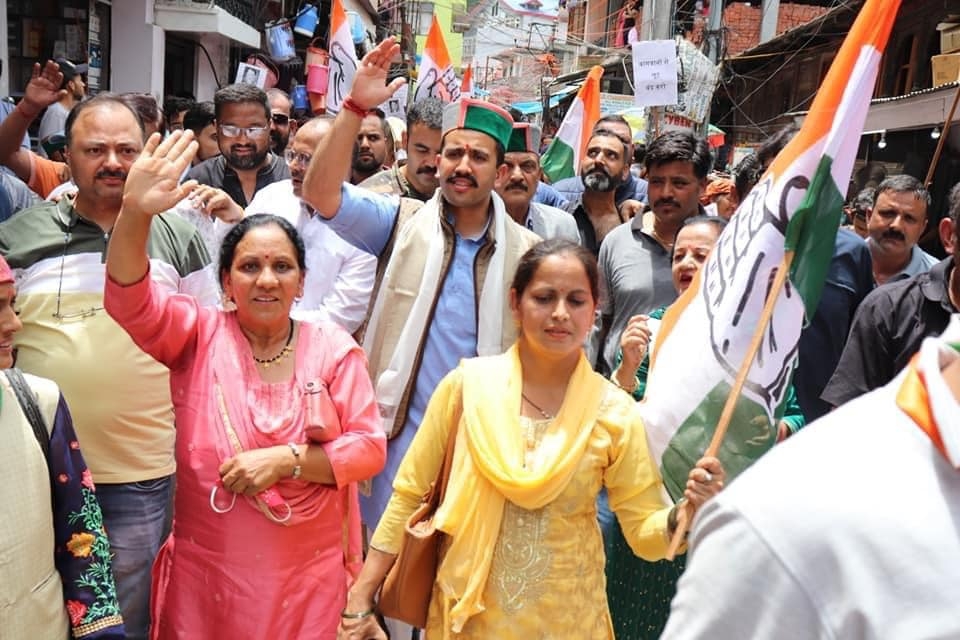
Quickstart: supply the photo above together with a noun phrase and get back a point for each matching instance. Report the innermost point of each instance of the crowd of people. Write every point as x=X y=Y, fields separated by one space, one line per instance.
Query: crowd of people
x=262 y=334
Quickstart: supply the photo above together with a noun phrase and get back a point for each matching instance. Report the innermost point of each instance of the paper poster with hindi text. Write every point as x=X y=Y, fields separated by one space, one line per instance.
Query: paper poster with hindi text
x=654 y=73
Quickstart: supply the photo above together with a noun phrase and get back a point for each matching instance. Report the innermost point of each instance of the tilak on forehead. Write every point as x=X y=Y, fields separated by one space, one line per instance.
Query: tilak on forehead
x=476 y=115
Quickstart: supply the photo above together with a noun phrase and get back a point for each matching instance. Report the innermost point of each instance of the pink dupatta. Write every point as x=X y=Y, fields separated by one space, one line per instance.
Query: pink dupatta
x=269 y=414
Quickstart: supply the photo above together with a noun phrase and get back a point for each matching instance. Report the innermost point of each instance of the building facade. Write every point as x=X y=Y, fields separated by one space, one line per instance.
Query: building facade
x=159 y=47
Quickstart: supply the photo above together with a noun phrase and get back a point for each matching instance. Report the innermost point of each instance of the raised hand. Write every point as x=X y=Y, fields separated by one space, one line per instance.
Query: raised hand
x=216 y=203
x=153 y=182
x=43 y=88
x=370 y=86
x=634 y=341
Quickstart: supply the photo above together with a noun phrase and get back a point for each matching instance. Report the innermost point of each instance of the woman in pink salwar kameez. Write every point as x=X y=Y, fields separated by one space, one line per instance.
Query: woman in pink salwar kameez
x=267 y=524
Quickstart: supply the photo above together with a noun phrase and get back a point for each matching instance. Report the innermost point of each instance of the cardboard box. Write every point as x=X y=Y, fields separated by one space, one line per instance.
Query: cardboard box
x=946 y=68
x=950 y=39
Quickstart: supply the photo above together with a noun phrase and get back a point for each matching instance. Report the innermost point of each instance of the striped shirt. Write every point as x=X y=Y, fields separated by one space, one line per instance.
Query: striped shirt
x=119 y=396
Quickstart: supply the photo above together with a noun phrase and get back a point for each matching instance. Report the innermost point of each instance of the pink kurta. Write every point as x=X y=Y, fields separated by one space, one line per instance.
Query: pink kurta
x=238 y=574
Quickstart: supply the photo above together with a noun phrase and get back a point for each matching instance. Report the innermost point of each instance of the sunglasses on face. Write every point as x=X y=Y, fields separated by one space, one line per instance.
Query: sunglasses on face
x=280 y=119
x=231 y=131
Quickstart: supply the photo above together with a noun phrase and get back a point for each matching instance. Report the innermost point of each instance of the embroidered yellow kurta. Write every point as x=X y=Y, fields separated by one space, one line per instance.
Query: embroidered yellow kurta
x=546 y=579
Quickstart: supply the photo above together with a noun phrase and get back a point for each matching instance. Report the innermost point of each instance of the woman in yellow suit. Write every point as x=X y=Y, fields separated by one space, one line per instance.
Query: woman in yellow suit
x=538 y=434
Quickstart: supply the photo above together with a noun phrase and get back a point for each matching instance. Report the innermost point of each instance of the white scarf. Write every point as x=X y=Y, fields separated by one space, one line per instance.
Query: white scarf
x=391 y=384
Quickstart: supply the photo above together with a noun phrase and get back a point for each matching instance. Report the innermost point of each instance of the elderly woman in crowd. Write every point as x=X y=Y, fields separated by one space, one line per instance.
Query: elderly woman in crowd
x=276 y=422
x=639 y=592
x=538 y=434
x=56 y=579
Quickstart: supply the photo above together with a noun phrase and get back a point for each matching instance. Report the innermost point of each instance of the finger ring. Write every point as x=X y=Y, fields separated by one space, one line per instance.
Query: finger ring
x=707 y=477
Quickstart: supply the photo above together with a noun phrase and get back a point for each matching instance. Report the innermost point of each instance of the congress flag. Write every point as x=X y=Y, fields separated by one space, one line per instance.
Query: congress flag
x=436 y=77
x=562 y=158
x=796 y=206
x=343 y=58
x=466 y=85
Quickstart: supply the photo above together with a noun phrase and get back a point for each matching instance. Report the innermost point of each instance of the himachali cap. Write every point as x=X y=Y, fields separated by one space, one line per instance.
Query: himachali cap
x=468 y=113
x=525 y=137
x=6 y=273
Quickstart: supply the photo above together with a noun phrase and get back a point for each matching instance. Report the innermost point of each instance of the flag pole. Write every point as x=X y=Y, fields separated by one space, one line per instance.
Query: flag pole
x=943 y=138
x=685 y=513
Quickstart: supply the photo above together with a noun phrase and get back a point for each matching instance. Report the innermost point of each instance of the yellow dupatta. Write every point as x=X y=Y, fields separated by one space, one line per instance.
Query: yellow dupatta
x=488 y=468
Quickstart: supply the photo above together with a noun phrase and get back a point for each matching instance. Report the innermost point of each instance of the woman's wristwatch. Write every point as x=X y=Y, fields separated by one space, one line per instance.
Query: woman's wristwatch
x=297 y=470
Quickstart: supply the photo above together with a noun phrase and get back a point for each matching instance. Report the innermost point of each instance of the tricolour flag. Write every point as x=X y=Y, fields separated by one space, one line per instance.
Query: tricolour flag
x=343 y=58
x=796 y=206
x=466 y=85
x=436 y=77
x=562 y=158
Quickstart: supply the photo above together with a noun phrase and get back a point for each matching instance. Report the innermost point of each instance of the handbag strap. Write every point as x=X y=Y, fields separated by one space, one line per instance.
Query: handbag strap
x=439 y=488
x=30 y=409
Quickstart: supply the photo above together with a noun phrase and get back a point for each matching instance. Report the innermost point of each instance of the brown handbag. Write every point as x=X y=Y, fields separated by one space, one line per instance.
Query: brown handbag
x=406 y=592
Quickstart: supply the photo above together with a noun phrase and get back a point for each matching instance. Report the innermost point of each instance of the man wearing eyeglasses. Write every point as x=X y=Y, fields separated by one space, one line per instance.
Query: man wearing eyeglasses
x=339 y=276
x=282 y=125
x=245 y=164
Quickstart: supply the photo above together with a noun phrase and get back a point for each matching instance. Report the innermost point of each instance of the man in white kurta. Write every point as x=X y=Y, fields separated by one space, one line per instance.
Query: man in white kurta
x=339 y=276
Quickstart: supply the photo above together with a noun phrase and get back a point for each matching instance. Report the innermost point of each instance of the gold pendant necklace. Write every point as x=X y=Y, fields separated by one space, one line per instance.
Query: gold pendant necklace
x=546 y=416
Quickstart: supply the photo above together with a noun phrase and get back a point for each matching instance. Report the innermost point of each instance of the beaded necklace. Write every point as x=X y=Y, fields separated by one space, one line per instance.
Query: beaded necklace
x=287 y=350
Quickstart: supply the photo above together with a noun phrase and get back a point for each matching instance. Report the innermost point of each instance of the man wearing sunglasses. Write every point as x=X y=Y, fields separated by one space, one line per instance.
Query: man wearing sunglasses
x=282 y=124
x=245 y=164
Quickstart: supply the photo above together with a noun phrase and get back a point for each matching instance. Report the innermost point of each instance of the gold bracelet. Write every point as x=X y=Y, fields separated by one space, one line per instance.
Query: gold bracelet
x=358 y=615
x=631 y=391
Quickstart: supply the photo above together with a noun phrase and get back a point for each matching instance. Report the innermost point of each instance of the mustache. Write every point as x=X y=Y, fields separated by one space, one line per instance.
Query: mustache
x=893 y=233
x=599 y=170
x=473 y=181
x=108 y=173
x=427 y=171
x=667 y=201
x=238 y=147
x=517 y=185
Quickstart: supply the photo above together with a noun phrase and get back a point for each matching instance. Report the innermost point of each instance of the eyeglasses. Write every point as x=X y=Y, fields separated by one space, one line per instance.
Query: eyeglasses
x=230 y=131
x=280 y=119
x=293 y=157
x=74 y=315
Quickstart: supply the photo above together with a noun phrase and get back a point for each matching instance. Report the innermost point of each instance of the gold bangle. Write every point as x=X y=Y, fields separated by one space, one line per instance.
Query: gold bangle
x=631 y=391
x=358 y=615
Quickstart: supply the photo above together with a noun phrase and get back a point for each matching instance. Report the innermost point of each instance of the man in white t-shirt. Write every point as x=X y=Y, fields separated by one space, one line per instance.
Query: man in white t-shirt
x=847 y=530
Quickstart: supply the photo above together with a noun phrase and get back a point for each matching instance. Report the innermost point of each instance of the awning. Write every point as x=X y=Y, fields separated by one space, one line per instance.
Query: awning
x=919 y=109
x=555 y=98
x=527 y=108
x=205 y=19
x=916 y=110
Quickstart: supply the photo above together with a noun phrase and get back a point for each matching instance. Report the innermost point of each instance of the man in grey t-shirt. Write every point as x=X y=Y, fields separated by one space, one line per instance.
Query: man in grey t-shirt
x=635 y=261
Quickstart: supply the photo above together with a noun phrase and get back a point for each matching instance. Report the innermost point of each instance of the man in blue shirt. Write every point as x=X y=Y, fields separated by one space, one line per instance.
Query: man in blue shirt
x=445 y=269
x=632 y=188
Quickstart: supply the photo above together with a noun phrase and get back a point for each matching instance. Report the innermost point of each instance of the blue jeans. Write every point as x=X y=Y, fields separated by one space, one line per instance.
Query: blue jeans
x=137 y=517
